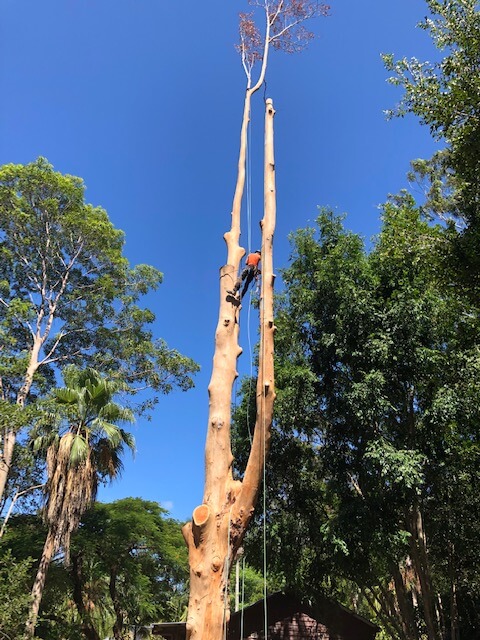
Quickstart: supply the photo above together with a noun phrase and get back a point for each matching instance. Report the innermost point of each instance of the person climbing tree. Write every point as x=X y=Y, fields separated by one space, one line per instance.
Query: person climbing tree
x=250 y=272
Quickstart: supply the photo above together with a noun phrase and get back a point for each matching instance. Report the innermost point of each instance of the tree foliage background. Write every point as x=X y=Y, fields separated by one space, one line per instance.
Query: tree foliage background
x=128 y=565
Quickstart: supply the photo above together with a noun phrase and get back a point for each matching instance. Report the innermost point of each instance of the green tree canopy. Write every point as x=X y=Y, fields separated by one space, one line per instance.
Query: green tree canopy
x=377 y=426
x=69 y=296
x=14 y=594
x=129 y=558
x=128 y=568
x=444 y=96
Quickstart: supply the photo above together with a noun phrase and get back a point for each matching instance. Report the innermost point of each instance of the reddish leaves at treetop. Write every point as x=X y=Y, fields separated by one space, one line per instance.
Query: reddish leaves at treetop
x=286 y=31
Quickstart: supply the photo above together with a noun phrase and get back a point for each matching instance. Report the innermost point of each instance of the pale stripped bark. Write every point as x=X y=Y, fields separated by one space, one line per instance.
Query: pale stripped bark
x=232 y=237
x=13 y=501
x=218 y=525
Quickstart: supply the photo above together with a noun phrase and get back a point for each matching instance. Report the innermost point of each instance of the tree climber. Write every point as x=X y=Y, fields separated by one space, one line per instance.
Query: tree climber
x=250 y=272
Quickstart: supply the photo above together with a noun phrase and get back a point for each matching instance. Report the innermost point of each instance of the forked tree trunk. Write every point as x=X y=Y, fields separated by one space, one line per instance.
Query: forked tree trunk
x=218 y=525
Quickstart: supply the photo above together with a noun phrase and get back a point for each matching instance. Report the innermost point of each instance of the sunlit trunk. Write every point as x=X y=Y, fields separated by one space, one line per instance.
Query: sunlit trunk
x=218 y=525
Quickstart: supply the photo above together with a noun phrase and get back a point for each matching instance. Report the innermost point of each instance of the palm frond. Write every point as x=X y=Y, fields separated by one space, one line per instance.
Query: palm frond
x=109 y=430
x=99 y=393
x=89 y=451
x=79 y=450
x=70 y=489
x=113 y=411
x=66 y=395
x=40 y=443
x=129 y=440
x=107 y=459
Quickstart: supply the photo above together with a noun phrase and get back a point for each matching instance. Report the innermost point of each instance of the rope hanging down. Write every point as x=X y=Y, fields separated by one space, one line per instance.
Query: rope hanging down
x=249 y=226
x=263 y=426
x=249 y=239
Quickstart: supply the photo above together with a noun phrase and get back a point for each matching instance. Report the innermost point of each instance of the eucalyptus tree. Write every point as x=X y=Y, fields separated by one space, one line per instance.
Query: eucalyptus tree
x=68 y=295
x=84 y=449
x=218 y=525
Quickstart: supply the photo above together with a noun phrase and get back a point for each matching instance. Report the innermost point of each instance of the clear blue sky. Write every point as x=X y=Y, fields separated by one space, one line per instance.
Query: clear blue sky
x=143 y=99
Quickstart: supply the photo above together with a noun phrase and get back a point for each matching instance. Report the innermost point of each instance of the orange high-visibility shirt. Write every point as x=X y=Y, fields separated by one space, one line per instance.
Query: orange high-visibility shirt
x=253 y=259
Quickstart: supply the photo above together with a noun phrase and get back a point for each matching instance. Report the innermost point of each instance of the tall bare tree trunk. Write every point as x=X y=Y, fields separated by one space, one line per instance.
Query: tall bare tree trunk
x=218 y=525
x=39 y=584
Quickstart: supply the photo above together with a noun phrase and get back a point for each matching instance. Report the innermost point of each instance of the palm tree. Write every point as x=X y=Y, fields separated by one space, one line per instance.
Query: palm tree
x=85 y=448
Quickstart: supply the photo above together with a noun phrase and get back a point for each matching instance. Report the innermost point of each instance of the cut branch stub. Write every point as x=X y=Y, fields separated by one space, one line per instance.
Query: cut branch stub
x=200 y=518
x=201 y=515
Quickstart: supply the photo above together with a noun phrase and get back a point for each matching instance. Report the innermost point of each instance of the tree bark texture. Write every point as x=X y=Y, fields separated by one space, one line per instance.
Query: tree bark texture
x=218 y=525
x=38 y=585
x=8 y=438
